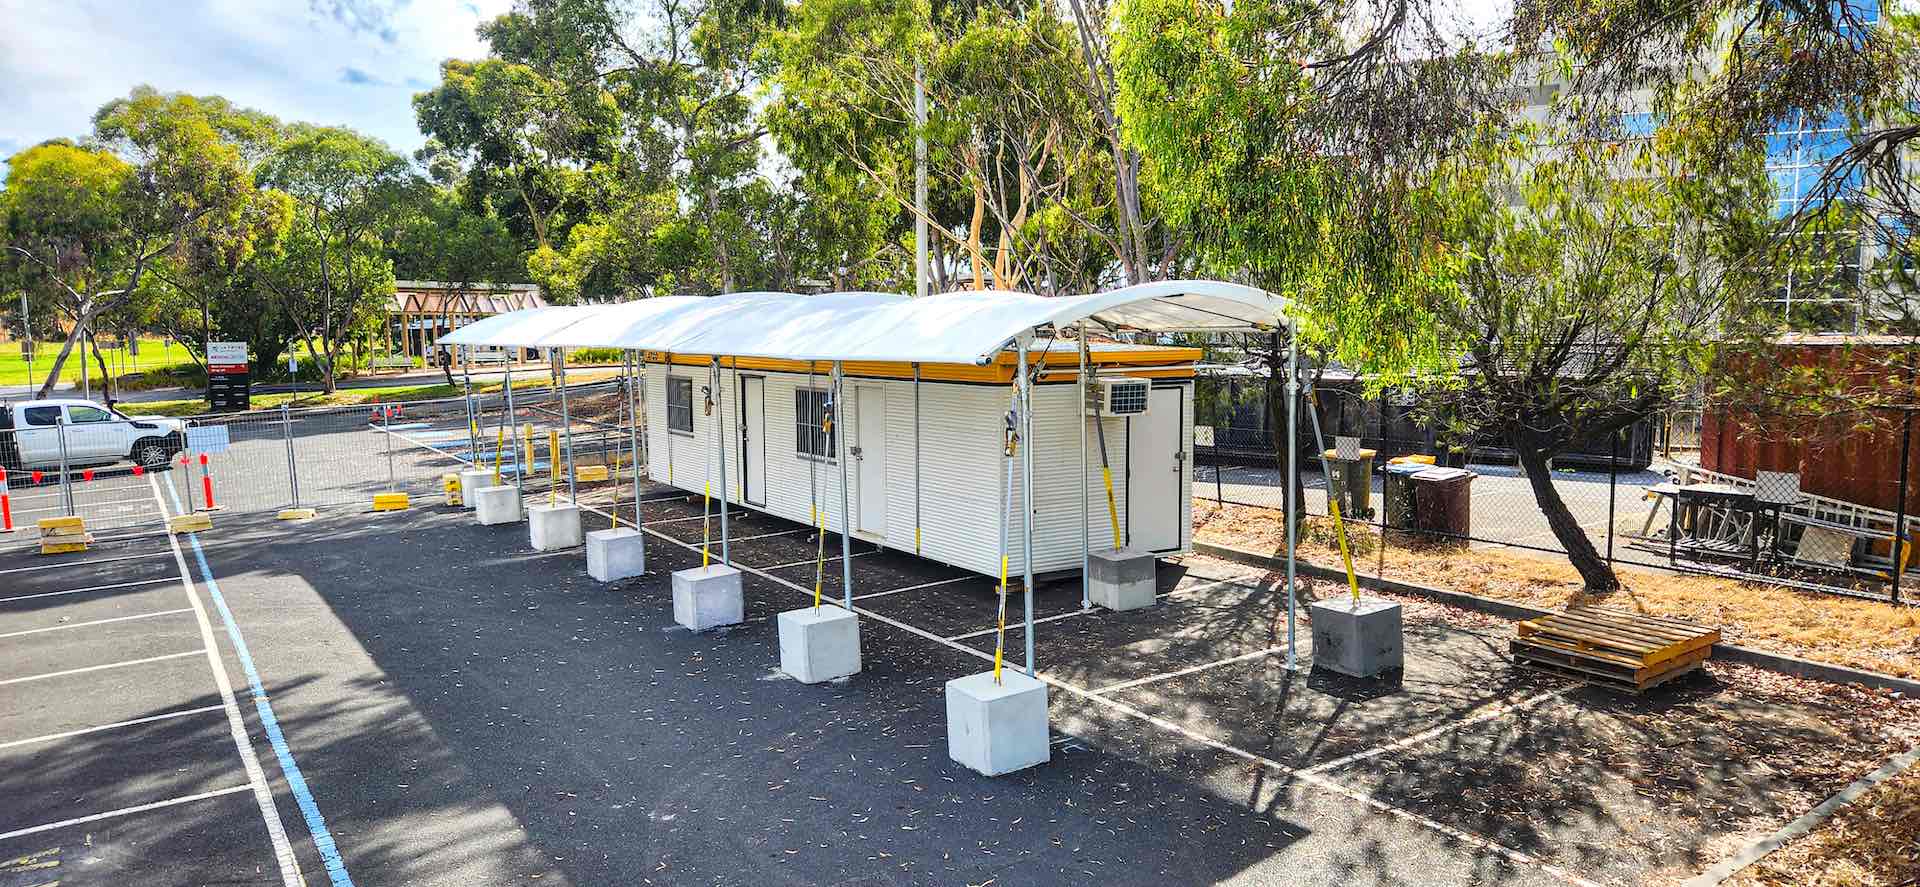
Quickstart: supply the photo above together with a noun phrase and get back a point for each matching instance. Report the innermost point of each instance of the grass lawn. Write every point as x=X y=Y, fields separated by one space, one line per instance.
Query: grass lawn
x=154 y=354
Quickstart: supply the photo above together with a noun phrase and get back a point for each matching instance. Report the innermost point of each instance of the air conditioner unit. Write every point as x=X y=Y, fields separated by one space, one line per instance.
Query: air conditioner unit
x=1117 y=396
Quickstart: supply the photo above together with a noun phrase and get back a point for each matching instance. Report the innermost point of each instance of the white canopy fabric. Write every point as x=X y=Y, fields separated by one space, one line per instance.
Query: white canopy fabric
x=961 y=327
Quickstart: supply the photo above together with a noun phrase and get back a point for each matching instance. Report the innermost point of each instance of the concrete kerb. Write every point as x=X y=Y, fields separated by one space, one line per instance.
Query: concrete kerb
x=1724 y=652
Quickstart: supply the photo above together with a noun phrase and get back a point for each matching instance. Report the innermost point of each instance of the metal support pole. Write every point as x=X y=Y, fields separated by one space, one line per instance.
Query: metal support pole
x=1293 y=471
x=293 y=466
x=1900 y=507
x=720 y=436
x=566 y=418
x=512 y=431
x=1026 y=496
x=840 y=447
x=916 y=458
x=386 y=424
x=920 y=275
x=633 y=436
x=66 y=479
x=1081 y=389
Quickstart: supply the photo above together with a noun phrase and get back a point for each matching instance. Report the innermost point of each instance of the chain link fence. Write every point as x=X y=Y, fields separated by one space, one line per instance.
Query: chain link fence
x=1641 y=499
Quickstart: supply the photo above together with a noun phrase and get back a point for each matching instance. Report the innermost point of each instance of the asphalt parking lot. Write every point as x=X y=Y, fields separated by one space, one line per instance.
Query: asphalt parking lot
x=410 y=698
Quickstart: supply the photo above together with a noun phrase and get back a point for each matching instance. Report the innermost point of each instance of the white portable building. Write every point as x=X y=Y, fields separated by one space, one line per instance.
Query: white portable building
x=927 y=386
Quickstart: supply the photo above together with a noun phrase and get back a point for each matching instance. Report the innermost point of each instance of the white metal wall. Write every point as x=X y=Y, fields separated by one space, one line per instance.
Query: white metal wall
x=960 y=456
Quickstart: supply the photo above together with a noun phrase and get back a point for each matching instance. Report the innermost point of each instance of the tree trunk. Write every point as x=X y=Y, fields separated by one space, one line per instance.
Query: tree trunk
x=1595 y=571
x=60 y=360
x=106 y=375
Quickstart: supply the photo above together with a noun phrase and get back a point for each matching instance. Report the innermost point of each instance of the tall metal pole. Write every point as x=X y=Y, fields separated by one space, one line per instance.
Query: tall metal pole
x=566 y=418
x=513 y=431
x=1080 y=410
x=1293 y=471
x=66 y=474
x=840 y=447
x=1900 y=512
x=633 y=434
x=26 y=323
x=1026 y=496
x=293 y=465
x=720 y=435
x=920 y=275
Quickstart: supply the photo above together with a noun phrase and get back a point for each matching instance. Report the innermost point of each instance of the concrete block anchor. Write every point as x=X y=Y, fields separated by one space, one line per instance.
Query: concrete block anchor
x=470 y=483
x=1358 y=639
x=494 y=506
x=997 y=728
x=708 y=597
x=1122 y=579
x=819 y=643
x=554 y=527
x=616 y=554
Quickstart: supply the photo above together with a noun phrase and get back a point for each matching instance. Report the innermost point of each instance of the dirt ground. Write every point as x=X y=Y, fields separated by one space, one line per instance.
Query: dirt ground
x=1863 y=634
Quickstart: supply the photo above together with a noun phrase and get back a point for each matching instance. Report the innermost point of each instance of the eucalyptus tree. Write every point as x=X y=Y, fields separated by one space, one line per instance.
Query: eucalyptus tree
x=87 y=225
x=332 y=273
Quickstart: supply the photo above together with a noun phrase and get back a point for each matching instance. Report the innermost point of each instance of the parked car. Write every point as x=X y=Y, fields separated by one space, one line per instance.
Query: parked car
x=31 y=431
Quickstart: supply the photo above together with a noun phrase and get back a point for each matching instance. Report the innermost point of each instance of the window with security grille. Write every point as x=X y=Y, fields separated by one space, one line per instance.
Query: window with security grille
x=810 y=408
x=680 y=405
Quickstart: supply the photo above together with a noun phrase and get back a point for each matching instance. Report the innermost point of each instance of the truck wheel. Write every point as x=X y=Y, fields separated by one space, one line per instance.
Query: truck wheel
x=152 y=452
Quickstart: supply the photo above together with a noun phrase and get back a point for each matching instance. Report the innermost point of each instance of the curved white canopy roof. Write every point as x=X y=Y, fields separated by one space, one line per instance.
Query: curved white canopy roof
x=960 y=327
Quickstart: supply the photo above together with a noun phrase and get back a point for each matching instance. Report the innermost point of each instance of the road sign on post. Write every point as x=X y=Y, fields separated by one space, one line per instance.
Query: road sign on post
x=229 y=385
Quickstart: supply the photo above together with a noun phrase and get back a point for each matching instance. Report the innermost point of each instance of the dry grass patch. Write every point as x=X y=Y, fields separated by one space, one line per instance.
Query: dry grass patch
x=1872 y=842
x=1828 y=628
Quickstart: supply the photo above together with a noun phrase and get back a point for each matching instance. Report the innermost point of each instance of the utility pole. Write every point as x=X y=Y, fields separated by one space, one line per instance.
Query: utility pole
x=919 y=181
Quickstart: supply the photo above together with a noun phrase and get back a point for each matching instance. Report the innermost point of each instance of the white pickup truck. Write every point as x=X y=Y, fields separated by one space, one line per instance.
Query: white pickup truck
x=31 y=432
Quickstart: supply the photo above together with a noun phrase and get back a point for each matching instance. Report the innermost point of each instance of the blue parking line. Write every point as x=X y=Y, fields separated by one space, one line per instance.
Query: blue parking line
x=296 y=782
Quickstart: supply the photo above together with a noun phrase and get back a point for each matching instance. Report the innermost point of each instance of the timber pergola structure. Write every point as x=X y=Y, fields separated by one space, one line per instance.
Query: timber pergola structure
x=970 y=329
x=430 y=308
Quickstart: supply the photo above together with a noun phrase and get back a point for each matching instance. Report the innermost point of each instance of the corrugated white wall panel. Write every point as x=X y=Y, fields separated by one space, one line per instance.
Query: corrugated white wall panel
x=960 y=469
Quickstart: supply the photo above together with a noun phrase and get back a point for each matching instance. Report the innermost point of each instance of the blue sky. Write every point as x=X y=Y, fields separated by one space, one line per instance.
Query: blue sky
x=348 y=62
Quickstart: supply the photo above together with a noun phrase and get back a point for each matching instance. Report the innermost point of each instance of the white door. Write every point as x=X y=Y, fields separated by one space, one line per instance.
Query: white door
x=753 y=438
x=1154 y=466
x=93 y=434
x=870 y=458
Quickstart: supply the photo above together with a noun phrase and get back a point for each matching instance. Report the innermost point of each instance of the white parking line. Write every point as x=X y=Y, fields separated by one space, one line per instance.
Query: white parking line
x=113 y=726
x=1216 y=583
x=1014 y=627
x=1136 y=682
x=714 y=516
x=1450 y=726
x=79 y=505
x=90 y=668
x=809 y=560
x=256 y=777
x=98 y=560
x=1314 y=779
x=862 y=597
x=124 y=811
x=15 y=634
x=28 y=597
x=769 y=535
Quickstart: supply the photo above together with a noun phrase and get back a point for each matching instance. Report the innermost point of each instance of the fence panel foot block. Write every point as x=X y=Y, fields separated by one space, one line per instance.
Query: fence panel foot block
x=997 y=728
x=708 y=597
x=553 y=527
x=1359 y=639
x=470 y=484
x=613 y=555
x=494 y=506
x=392 y=502
x=1122 y=579
x=819 y=643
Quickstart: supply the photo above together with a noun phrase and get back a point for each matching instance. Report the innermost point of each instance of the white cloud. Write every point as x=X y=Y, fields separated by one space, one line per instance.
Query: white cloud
x=355 y=63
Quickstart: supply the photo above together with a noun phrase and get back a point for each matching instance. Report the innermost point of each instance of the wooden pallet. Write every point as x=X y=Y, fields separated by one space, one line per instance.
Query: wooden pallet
x=1614 y=648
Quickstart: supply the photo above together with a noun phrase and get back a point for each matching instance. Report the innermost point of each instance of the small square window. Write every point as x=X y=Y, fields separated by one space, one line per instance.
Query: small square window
x=680 y=404
x=811 y=437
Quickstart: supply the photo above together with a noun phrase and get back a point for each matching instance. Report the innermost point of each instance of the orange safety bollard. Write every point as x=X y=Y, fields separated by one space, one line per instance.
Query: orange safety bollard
x=6 y=507
x=206 y=481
